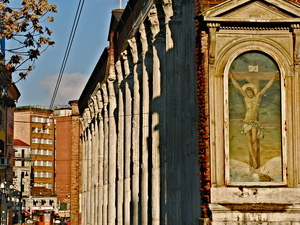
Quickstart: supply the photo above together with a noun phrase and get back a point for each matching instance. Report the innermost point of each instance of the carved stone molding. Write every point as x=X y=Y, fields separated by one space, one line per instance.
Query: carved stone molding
x=154 y=20
x=168 y=9
x=126 y=64
x=212 y=34
x=133 y=48
x=254 y=28
x=213 y=25
x=296 y=31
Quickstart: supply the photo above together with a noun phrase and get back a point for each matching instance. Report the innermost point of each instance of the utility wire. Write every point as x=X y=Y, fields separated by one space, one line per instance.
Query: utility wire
x=67 y=52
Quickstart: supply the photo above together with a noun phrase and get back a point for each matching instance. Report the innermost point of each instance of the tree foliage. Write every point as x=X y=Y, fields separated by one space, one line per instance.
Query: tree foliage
x=23 y=24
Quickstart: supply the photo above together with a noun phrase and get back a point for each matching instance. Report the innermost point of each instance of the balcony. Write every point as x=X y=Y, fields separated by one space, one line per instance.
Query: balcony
x=3 y=163
x=26 y=157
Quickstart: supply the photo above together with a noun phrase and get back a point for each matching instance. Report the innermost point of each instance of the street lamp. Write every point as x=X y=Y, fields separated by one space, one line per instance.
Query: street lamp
x=15 y=203
x=21 y=195
x=3 y=203
x=10 y=197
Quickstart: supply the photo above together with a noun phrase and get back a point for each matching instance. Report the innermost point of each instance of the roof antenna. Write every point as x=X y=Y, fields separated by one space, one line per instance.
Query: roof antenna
x=120 y=4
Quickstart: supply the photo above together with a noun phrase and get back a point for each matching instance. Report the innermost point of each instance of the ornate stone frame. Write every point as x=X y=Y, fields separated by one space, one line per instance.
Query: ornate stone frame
x=219 y=118
x=237 y=50
x=234 y=28
x=279 y=46
x=231 y=34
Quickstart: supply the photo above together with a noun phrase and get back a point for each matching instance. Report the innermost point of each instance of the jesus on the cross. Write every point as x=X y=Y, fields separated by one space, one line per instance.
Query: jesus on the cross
x=252 y=127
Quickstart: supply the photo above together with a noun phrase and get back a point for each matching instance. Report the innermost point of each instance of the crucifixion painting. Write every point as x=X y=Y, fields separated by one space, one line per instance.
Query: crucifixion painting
x=254 y=120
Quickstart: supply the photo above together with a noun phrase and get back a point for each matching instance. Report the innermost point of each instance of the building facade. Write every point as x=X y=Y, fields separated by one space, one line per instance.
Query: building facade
x=21 y=180
x=22 y=166
x=34 y=125
x=67 y=161
x=139 y=120
x=42 y=205
x=9 y=93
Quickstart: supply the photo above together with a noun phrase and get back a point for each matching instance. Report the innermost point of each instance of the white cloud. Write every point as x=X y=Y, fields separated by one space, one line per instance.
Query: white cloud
x=70 y=88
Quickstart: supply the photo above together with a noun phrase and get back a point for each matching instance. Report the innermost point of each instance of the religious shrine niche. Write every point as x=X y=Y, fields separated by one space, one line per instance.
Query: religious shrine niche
x=253 y=63
x=256 y=155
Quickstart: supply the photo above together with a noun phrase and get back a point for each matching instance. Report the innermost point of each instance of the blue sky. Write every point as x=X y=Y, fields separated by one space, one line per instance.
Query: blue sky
x=89 y=43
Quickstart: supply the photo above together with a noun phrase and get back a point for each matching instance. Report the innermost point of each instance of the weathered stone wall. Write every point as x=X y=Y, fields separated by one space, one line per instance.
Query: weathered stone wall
x=139 y=131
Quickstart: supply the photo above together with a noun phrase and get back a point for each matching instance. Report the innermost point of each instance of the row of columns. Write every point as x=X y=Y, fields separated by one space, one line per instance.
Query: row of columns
x=122 y=128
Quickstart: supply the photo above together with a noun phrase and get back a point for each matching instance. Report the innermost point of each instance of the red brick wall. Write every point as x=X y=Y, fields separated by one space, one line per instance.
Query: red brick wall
x=75 y=171
x=203 y=5
x=202 y=99
x=296 y=2
x=63 y=159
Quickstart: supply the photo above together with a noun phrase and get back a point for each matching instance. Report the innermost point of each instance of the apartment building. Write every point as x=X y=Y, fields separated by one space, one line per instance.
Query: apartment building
x=34 y=125
x=22 y=167
x=20 y=187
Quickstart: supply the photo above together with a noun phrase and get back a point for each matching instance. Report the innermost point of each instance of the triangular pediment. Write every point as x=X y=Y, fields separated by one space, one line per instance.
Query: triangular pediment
x=260 y=11
x=257 y=10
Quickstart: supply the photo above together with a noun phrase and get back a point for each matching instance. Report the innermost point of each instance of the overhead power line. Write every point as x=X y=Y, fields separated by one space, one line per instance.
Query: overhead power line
x=67 y=52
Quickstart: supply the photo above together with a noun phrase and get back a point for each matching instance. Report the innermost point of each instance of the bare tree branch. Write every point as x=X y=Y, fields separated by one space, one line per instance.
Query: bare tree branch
x=24 y=26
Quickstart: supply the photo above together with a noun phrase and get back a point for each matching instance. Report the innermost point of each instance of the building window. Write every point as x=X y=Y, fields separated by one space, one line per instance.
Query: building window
x=35 y=140
x=41 y=152
x=63 y=206
x=41 y=141
x=1 y=148
x=1 y=120
x=43 y=163
x=42 y=120
x=43 y=174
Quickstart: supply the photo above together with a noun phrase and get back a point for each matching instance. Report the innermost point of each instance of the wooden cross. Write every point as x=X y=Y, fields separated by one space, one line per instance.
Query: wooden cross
x=253 y=77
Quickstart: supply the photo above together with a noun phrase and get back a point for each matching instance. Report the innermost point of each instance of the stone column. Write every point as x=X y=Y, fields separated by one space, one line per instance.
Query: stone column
x=101 y=158
x=128 y=123
x=112 y=155
x=95 y=158
x=91 y=165
x=146 y=62
x=105 y=156
x=135 y=132
x=89 y=175
x=156 y=90
x=86 y=162
x=168 y=10
x=120 y=148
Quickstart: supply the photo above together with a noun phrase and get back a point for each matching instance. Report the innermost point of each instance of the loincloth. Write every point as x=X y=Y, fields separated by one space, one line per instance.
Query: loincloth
x=248 y=125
